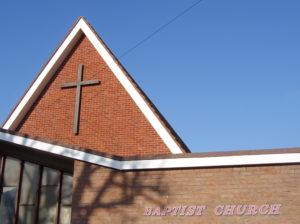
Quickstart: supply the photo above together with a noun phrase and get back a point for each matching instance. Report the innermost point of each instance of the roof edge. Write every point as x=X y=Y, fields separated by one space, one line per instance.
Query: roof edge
x=158 y=122
x=139 y=89
x=191 y=160
x=36 y=77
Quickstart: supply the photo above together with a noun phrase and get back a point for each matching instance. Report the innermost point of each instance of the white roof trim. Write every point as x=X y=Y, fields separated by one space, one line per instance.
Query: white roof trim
x=262 y=159
x=56 y=60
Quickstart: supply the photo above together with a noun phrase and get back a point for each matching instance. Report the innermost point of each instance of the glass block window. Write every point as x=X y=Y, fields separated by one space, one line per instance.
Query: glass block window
x=29 y=189
x=65 y=215
x=7 y=207
x=32 y=193
x=48 y=205
x=29 y=184
x=9 y=191
x=50 y=177
x=66 y=199
x=67 y=185
x=26 y=214
x=11 y=174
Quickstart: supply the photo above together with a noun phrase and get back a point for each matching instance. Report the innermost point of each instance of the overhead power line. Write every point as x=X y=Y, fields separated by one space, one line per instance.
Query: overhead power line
x=160 y=29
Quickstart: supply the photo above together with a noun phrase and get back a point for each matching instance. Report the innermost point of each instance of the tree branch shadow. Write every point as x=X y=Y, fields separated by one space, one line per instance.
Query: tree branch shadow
x=108 y=194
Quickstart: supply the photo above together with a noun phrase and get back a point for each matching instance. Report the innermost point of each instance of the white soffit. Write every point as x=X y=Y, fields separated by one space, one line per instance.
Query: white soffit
x=45 y=75
x=220 y=161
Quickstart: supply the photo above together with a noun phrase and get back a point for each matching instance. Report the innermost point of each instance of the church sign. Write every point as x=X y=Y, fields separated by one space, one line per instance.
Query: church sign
x=226 y=210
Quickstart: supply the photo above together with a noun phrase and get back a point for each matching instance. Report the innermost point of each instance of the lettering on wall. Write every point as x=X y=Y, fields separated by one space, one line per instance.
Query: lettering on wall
x=219 y=210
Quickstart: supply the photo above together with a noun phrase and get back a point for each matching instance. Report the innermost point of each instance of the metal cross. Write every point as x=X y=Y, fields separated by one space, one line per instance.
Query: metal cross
x=78 y=86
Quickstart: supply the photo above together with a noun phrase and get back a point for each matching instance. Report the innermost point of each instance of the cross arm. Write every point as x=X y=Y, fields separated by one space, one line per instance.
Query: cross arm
x=89 y=82
x=82 y=83
x=68 y=85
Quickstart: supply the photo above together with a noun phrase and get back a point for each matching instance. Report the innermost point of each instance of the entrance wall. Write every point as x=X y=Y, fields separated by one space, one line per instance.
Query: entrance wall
x=253 y=194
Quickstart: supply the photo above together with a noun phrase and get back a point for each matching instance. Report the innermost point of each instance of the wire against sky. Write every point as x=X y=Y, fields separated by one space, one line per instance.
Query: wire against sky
x=160 y=28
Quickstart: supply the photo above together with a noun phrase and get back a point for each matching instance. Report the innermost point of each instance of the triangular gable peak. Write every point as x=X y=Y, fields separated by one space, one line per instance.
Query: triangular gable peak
x=82 y=29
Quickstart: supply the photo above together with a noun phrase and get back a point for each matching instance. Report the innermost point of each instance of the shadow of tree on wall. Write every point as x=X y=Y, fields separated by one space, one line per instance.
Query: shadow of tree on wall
x=103 y=195
x=100 y=194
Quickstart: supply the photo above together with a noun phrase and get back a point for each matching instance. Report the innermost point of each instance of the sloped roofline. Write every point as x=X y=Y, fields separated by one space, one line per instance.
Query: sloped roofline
x=82 y=27
x=179 y=161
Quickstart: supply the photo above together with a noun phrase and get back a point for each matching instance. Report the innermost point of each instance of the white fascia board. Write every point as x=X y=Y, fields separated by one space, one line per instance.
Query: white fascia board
x=61 y=151
x=45 y=75
x=222 y=161
x=173 y=163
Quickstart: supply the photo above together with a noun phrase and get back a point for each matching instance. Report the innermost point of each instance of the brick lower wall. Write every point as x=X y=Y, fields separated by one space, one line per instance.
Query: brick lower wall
x=103 y=195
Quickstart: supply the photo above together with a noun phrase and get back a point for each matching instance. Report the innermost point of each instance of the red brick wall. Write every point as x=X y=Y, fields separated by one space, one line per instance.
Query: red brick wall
x=109 y=120
x=103 y=195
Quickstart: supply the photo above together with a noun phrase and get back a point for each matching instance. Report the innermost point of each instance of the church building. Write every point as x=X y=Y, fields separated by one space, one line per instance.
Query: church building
x=85 y=145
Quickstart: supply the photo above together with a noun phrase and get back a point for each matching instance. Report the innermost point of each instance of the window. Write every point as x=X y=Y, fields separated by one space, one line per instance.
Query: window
x=31 y=193
x=7 y=208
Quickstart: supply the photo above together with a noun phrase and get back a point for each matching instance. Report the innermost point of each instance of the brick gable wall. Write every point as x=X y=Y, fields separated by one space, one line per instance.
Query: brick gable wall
x=103 y=195
x=110 y=121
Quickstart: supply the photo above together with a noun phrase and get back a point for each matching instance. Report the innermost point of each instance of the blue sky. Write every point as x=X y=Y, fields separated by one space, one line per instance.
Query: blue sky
x=226 y=75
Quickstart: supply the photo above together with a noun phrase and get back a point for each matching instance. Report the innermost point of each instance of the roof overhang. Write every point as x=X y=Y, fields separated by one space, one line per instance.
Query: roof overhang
x=191 y=160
